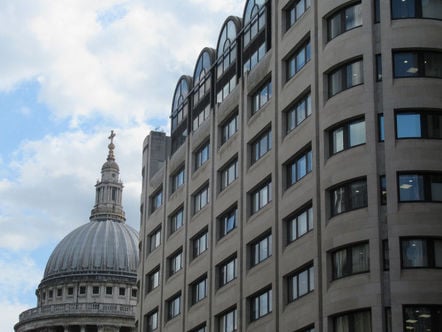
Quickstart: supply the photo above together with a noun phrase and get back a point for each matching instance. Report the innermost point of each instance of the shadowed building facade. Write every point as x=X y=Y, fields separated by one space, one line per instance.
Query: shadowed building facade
x=300 y=188
x=89 y=284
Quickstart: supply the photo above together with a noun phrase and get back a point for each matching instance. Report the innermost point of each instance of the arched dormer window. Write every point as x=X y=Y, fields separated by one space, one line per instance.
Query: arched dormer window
x=180 y=108
x=226 y=55
x=256 y=41
x=202 y=81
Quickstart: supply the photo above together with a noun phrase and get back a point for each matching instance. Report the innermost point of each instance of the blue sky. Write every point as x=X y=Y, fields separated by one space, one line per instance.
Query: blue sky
x=71 y=71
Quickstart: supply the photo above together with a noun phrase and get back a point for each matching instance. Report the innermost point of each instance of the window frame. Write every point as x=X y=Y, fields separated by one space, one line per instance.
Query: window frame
x=260 y=249
x=291 y=11
x=351 y=318
x=345 y=127
x=201 y=198
x=257 y=196
x=304 y=101
x=426 y=182
x=419 y=56
x=223 y=221
x=255 y=304
x=173 y=306
x=225 y=174
x=260 y=97
x=175 y=179
x=291 y=166
x=174 y=263
x=195 y=290
x=290 y=280
x=156 y=200
x=224 y=316
x=425 y=116
x=198 y=247
x=429 y=310
x=257 y=151
x=153 y=279
x=176 y=223
x=201 y=155
x=225 y=129
x=292 y=222
x=155 y=234
x=346 y=199
x=343 y=71
x=291 y=62
x=152 y=320
x=341 y=14
x=347 y=267
x=227 y=271
x=429 y=254
x=417 y=9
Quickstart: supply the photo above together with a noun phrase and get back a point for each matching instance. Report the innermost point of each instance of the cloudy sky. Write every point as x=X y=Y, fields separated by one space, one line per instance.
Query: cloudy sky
x=70 y=71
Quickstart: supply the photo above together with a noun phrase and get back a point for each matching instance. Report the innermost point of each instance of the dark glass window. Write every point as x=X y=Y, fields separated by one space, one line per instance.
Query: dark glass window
x=152 y=321
x=295 y=10
x=202 y=155
x=199 y=244
x=416 y=9
x=173 y=306
x=347 y=135
x=414 y=187
x=421 y=252
x=350 y=260
x=422 y=318
x=227 y=222
x=260 y=250
x=175 y=262
x=381 y=127
x=177 y=179
x=416 y=63
x=261 y=145
x=378 y=67
x=299 y=166
x=348 y=196
x=386 y=255
x=260 y=305
x=157 y=200
x=299 y=112
x=345 y=77
x=153 y=279
x=201 y=117
x=155 y=239
x=201 y=199
x=228 y=174
x=299 y=59
x=95 y=290
x=109 y=290
x=227 y=271
x=345 y=19
x=122 y=291
x=59 y=291
x=227 y=321
x=176 y=220
x=70 y=290
x=260 y=197
x=419 y=124
x=300 y=223
x=261 y=97
x=199 y=289
x=301 y=282
x=377 y=11
x=82 y=290
x=356 y=321
x=229 y=128
x=255 y=39
x=383 y=189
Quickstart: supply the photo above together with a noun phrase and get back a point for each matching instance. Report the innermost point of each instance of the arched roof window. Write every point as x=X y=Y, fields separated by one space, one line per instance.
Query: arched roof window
x=201 y=76
x=179 y=109
x=255 y=43
x=226 y=49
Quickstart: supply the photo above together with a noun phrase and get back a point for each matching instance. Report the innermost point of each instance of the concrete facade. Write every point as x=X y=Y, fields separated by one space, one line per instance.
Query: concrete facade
x=361 y=231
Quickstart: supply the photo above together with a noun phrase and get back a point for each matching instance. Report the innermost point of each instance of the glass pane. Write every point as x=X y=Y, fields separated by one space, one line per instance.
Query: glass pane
x=300 y=113
x=303 y=283
x=301 y=167
x=311 y=273
x=309 y=105
x=358 y=194
x=438 y=253
x=339 y=263
x=433 y=64
x=360 y=258
x=302 y=224
x=405 y=64
x=436 y=188
x=263 y=304
x=338 y=200
x=300 y=9
x=408 y=125
x=411 y=188
x=434 y=125
x=300 y=59
x=294 y=286
x=338 y=139
x=432 y=9
x=362 y=321
x=381 y=128
x=342 y=324
x=335 y=83
x=403 y=8
x=353 y=17
x=414 y=253
x=354 y=74
x=310 y=219
x=357 y=133
x=334 y=26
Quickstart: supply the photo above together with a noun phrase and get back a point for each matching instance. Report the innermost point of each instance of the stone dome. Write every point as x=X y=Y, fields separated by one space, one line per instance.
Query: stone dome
x=96 y=248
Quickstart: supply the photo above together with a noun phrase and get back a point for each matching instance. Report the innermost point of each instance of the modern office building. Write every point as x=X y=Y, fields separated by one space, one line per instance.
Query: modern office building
x=301 y=186
x=89 y=284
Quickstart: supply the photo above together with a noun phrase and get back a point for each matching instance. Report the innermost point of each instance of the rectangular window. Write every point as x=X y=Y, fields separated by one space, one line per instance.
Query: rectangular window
x=156 y=200
x=199 y=244
x=350 y=260
x=122 y=291
x=155 y=239
x=416 y=9
x=383 y=189
x=175 y=262
x=298 y=59
x=227 y=271
x=95 y=290
x=260 y=250
x=177 y=179
x=348 y=196
x=70 y=291
x=344 y=20
x=299 y=112
x=378 y=67
x=261 y=97
x=202 y=155
x=261 y=196
x=417 y=63
x=82 y=290
x=152 y=321
x=109 y=290
x=227 y=321
x=381 y=127
x=134 y=292
x=153 y=279
x=176 y=220
x=300 y=223
x=198 y=290
x=419 y=124
x=261 y=145
x=173 y=306
x=201 y=117
x=347 y=135
x=295 y=10
x=299 y=166
x=377 y=11
x=421 y=253
x=228 y=174
x=359 y=321
x=227 y=222
x=385 y=255
x=300 y=283
x=424 y=187
x=201 y=199
x=260 y=305
x=422 y=317
x=59 y=292
x=345 y=77
x=229 y=128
